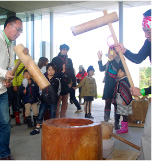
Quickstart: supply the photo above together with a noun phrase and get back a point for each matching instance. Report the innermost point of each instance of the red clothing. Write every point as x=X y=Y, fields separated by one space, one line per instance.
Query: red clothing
x=80 y=76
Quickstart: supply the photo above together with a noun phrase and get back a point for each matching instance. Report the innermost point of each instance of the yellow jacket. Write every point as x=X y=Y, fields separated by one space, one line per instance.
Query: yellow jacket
x=17 y=81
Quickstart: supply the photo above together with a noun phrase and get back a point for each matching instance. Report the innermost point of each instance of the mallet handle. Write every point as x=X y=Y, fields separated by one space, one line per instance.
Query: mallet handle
x=120 y=54
x=125 y=141
x=16 y=66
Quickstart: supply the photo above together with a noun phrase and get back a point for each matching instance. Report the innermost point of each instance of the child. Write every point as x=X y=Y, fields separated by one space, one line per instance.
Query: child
x=30 y=95
x=122 y=98
x=55 y=83
x=110 y=69
x=79 y=77
x=89 y=91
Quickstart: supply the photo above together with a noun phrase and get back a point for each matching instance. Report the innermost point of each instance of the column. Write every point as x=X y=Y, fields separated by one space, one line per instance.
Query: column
x=51 y=36
x=120 y=22
x=32 y=36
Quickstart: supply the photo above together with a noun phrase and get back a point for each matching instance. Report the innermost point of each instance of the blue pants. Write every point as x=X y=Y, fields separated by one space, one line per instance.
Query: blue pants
x=42 y=109
x=4 y=126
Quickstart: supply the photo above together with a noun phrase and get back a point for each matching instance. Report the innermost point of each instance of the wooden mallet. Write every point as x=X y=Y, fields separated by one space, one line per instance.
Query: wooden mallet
x=36 y=74
x=107 y=133
x=107 y=19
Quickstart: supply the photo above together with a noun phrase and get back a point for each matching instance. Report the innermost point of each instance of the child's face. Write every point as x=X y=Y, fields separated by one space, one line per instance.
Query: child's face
x=91 y=73
x=120 y=74
x=51 y=71
x=27 y=75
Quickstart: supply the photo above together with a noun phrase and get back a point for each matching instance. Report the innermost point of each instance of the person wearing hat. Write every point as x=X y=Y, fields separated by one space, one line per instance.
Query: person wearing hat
x=89 y=91
x=79 y=77
x=144 y=52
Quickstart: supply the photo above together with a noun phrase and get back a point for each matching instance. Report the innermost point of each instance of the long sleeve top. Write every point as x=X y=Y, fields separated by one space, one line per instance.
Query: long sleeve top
x=6 y=60
x=144 y=52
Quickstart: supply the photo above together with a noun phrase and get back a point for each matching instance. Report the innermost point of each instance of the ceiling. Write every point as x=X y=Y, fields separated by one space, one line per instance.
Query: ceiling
x=60 y=8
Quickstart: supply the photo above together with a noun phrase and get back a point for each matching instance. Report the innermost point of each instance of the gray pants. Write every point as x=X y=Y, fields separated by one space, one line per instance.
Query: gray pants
x=145 y=152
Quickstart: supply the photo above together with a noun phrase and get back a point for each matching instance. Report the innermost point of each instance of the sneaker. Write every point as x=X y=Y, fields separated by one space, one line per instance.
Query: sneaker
x=89 y=116
x=78 y=111
x=35 y=131
x=82 y=103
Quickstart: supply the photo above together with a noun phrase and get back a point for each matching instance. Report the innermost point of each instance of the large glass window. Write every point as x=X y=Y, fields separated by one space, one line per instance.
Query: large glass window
x=46 y=35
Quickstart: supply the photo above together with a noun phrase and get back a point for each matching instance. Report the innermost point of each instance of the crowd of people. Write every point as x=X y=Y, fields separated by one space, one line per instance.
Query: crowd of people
x=24 y=93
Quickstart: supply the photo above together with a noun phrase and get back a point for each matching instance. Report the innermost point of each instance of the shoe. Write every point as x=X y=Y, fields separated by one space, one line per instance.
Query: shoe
x=89 y=116
x=17 y=119
x=124 y=128
x=117 y=126
x=35 y=131
x=71 y=101
x=8 y=158
x=29 y=122
x=86 y=116
x=78 y=111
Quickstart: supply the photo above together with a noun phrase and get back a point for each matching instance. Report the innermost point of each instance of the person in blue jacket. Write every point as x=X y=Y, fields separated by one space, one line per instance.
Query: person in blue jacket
x=30 y=96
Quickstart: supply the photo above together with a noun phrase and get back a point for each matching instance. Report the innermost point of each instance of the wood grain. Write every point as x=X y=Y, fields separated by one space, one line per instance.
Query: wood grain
x=71 y=139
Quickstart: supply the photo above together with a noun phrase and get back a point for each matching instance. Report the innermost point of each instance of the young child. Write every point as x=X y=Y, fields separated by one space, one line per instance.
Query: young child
x=30 y=93
x=122 y=99
x=89 y=91
x=55 y=83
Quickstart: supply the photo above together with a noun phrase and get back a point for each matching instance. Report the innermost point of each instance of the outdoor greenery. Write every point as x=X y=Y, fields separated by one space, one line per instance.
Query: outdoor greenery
x=144 y=77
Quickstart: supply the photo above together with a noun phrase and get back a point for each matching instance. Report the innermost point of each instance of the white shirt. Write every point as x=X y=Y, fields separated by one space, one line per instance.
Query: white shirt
x=5 y=53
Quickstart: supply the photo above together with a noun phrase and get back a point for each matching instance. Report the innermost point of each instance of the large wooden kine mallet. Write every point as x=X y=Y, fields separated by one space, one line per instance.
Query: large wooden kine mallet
x=107 y=19
x=36 y=74
x=107 y=133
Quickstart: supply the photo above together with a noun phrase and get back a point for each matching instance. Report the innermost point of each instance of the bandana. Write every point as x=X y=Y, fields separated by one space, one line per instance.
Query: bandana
x=147 y=22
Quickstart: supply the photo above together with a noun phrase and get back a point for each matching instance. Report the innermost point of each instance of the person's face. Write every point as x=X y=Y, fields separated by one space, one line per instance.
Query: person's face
x=112 y=51
x=80 y=69
x=51 y=71
x=91 y=73
x=120 y=74
x=63 y=51
x=27 y=75
x=13 y=30
x=147 y=32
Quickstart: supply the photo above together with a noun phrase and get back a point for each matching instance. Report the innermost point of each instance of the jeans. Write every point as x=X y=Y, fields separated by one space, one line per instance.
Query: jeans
x=43 y=107
x=5 y=127
x=73 y=98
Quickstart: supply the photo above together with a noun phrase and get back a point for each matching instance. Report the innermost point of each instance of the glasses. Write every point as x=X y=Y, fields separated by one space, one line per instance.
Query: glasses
x=18 y=29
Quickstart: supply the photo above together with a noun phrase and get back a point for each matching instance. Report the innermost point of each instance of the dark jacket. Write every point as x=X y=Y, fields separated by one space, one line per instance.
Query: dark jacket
x=32 y=93
x=59 y=61
x=54 y=93
x=144 y=52
x=65 y=80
